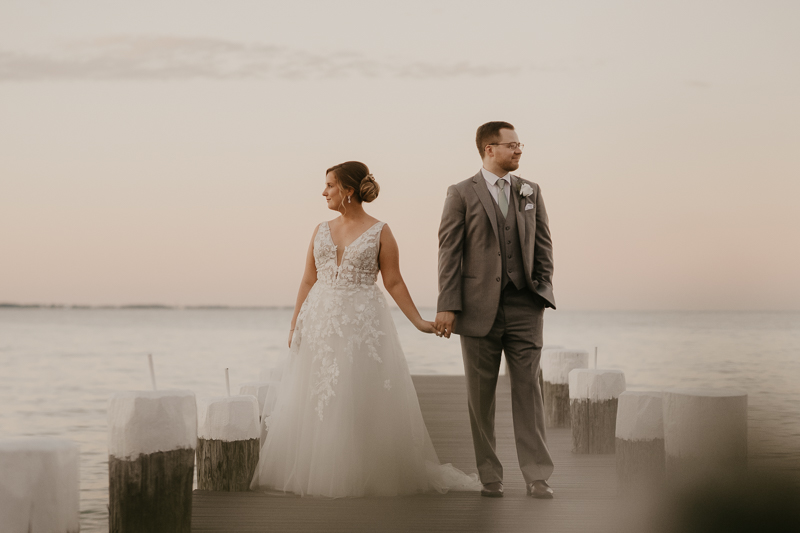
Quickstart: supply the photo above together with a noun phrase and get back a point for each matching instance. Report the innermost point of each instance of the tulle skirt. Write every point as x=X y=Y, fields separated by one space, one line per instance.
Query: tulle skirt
x=347 y=421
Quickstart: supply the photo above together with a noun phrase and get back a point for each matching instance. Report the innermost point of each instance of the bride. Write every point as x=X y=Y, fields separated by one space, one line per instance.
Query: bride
x=347 y=421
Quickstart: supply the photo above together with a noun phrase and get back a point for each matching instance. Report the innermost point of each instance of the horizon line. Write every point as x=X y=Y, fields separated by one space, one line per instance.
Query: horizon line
x=212 y=307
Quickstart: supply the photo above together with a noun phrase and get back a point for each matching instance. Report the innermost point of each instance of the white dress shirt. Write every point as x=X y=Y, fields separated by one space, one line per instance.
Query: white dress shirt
x=491 y=184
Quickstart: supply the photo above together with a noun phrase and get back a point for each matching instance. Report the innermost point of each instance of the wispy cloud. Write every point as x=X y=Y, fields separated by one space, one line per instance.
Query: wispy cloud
x=177 y=58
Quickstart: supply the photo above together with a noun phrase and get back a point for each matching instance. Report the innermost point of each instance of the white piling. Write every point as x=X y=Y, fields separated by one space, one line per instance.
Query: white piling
x=151 y=441
x=593 y=397
x=39 y=487
x=556 y=365
x=273 y=376
x=276 y=374
x=228 y=434
x=640 y=439
x=269 y=405
x=705 y=430
x=259 y=389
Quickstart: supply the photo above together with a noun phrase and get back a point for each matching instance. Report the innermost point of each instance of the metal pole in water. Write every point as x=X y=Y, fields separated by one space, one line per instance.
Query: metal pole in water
x=152 y=371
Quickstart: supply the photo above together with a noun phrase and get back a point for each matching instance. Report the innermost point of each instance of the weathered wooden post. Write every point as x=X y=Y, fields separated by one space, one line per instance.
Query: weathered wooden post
x=151 y=441
x=705 y=430
x=593 y=397
x=227 y=442
x=640 y=439
x=39 y=487
x=556 y=366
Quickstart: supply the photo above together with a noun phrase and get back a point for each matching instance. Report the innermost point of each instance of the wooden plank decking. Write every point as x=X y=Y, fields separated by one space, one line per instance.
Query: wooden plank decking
x=585 y=486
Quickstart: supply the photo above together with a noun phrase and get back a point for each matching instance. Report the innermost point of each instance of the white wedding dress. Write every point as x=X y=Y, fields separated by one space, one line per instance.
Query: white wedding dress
x=347 y=422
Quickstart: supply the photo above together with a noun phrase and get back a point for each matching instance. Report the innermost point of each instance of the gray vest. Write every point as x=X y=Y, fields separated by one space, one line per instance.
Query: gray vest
x=510 y=250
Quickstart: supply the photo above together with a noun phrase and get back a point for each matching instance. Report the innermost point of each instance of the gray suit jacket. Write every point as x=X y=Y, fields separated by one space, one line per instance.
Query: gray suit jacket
x=469 y=252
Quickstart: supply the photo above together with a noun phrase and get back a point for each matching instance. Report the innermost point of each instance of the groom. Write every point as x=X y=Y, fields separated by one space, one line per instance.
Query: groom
x=495 y=280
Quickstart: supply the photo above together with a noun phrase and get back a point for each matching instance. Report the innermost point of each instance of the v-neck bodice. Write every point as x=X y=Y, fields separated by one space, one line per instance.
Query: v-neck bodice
x=359 y=266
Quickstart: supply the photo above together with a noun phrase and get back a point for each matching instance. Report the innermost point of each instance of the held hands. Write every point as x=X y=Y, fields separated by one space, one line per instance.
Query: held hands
x=444 y=324
x=425 y=326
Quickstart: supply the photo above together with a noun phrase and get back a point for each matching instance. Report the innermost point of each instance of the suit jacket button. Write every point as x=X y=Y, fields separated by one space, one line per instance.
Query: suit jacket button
x=497 y=279
x=508 y=228
x=498 y=253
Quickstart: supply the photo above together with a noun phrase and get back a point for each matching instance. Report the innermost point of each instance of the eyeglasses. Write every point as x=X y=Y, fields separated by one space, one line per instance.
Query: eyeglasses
x=512 y=146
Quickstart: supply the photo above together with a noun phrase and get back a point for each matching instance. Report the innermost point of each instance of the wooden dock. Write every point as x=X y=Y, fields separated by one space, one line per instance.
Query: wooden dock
x=585 y=487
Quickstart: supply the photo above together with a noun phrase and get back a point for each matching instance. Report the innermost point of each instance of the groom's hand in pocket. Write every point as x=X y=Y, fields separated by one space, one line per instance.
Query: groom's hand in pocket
x=444 y=323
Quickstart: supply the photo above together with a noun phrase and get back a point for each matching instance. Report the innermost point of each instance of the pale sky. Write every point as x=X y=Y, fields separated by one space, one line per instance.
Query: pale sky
x=174 y=153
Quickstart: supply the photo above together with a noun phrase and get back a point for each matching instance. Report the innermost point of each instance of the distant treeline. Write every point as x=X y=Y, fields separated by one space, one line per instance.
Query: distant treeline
x=135 y=306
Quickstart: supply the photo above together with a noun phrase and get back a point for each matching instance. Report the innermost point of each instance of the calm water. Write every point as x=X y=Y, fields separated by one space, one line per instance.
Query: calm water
x=60 y=366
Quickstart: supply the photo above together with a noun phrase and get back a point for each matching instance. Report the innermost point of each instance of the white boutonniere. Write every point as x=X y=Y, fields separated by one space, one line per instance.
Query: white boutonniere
x=525 y=191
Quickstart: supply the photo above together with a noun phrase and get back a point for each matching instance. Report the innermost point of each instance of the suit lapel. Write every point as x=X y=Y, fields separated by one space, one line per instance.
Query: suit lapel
x=515 y=184
x=479 y=184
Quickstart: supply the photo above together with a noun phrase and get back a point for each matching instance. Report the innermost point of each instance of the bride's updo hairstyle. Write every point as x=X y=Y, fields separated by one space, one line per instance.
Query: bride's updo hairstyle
x=355 y=175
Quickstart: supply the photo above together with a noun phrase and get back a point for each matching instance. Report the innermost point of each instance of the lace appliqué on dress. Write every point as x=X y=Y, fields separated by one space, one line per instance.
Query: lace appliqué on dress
x=342 y=304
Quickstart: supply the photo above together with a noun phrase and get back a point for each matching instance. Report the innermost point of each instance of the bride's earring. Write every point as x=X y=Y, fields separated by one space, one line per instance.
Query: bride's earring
x=348 y=199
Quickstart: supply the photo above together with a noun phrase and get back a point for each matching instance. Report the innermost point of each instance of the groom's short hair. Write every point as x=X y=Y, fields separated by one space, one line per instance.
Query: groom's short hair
x=489 y=133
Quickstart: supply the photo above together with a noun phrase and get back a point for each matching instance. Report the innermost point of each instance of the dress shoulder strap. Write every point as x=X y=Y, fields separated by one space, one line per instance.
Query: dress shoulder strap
x=323 y=228
x=377 y=229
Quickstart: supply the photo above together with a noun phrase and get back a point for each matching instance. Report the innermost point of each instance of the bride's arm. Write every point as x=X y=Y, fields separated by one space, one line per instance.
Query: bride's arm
x=389 y=260
x=309 y=279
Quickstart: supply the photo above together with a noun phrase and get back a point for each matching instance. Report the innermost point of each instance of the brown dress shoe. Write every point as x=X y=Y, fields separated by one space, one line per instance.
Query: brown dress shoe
x=540 y=489
x=492 y=490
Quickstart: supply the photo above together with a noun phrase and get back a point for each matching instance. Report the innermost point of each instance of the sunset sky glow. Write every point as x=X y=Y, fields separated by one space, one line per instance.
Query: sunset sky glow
x=174 y=153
